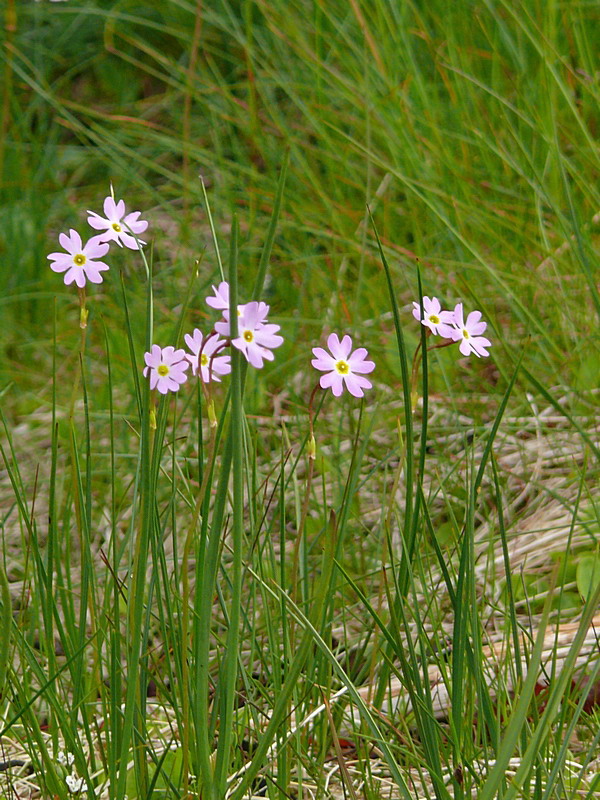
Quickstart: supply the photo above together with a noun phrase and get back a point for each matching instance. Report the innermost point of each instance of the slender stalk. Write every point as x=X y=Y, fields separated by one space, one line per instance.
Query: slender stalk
x=230 y=663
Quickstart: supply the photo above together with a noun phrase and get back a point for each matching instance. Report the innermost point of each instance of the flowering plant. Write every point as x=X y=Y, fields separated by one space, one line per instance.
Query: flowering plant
x=78 y=262
x=451 y=325
x=343 y=368
x=117 y=226
x=166 y=367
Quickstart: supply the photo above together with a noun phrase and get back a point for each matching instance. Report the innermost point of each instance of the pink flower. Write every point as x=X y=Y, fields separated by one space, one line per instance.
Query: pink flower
x=468 y=333
x=77 y=262
x=438 y=321
x=166 y=367
x=211 y=366
x=220 y=301
x=117 y=226
x=256 y=338
x=342 y=366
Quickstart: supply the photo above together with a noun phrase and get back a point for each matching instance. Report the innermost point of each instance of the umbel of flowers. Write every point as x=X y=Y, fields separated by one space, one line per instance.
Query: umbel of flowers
x=343 y=367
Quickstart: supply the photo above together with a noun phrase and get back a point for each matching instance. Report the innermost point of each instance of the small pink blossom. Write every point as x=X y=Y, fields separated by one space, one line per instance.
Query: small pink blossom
x=211 y=366
x=468 y=332
x=220 y=301
x=166 y=367
x=256 y=338
x=118 y=226
x=78 y=262
x=342 y=366
x=438 y=321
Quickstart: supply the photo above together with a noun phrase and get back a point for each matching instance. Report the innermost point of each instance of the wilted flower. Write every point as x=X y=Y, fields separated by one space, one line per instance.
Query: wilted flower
x=203 y=355
x=166 y=367
x=342 y=366
x=74 y=784
x=468 y=333
x=78 y=262
x=118 y=226
x=438 y=321
x=67 y=759
x=256 y=338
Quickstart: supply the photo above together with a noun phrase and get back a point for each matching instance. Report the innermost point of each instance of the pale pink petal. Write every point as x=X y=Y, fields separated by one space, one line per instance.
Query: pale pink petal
x=71 y=275
x=79 y=277
x=131 y=221
x=153 y=358
x=358 y=363
x=129 y=241
x=110 y=209
x=354 y=384
x=465 y=347
x=97 y=222
x=92 y=274
x=62 y=261
x=333 y=381
x=96 y=247
x=446 y=331
x=221 y=299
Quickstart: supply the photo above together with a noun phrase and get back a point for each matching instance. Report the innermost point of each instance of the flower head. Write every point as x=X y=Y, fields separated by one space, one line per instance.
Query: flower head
x=343 y=367
x=468 y=332
x=203 y=359
x=117 y=226
x=166 y=367
x=432 y=316
x=256 y=338
x=78 y=262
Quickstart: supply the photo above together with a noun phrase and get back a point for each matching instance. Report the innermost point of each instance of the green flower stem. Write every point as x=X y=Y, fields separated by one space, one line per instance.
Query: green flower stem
x=230 y=663
x=185 y=595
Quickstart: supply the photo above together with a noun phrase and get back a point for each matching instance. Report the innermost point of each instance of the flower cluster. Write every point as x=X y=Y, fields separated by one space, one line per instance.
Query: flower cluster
x=80 y=263
x=256 y=339
x=452 y=325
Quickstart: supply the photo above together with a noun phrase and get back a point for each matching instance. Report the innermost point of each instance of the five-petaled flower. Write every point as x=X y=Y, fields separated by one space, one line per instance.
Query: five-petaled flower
x=438 y=321
x=78 y=262
x=203 y=359
x=166 y=367
x=117 y=226
x=256 y=338
x=343 y=367
x=468 y=332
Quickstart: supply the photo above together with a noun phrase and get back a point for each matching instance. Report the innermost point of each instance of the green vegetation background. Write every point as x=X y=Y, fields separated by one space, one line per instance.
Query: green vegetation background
x=470 y=128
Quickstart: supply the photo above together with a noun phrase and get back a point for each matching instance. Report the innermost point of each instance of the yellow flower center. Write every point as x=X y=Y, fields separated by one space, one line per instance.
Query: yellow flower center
x=466 y=334
x=203 y=360
x=79 y=260
x=248 y=336
x=163 y=370
x=116 y=227
x=342 y=367
x=434 y=318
